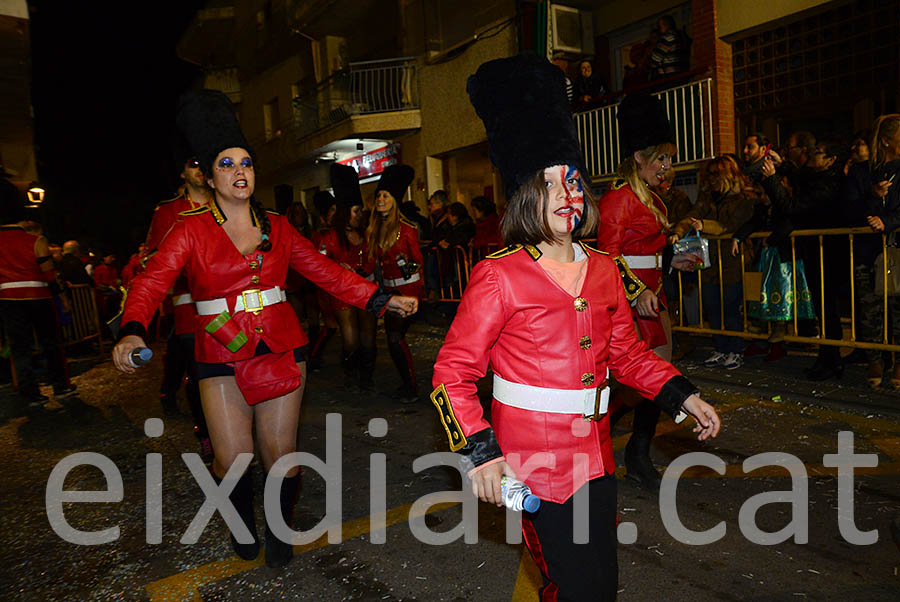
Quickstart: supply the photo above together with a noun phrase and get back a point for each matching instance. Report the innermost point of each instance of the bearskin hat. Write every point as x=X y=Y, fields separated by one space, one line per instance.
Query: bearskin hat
x=642 y=123
x=207 y=120
x=396 y=179
x=345 y=184
x=523 y=104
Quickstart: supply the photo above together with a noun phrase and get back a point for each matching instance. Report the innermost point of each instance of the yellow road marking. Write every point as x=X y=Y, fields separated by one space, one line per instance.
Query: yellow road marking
x=185 y=585
x=529 y=579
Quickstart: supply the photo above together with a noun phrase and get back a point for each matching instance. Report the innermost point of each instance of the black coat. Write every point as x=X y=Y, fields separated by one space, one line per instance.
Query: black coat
x=859 y=203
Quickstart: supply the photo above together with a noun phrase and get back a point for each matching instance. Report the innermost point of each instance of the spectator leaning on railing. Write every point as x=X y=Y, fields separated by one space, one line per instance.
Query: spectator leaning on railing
x=872 y=199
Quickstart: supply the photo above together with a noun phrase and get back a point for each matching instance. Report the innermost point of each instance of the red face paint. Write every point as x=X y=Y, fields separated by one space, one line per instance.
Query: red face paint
x=574 y=196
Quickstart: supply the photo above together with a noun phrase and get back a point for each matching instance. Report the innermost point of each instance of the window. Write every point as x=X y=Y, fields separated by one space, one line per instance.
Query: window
x=271 y=119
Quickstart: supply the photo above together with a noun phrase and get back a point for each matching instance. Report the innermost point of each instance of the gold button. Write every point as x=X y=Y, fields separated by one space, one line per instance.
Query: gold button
x=585 y=342
x=258 y=329
x=254 y=279
x=254 y=265
x=580 y=304
x=587 y=379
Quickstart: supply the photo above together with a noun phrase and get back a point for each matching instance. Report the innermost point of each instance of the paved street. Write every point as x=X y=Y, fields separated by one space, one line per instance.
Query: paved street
x=764 y=409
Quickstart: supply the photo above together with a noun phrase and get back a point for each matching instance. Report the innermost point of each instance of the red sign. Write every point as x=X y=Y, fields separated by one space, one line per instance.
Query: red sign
x=373 y=162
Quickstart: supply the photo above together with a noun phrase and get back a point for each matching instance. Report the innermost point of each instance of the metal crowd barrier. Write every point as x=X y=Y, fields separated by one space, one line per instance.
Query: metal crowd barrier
x=453 y=287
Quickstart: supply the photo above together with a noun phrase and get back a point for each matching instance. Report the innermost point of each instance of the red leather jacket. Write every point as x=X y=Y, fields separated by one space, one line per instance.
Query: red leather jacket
x=166 y=215
x=356 y=257
x=215 y=269
x=628 y=227
x=407 y=245
x=19 y=265
x=516 y=319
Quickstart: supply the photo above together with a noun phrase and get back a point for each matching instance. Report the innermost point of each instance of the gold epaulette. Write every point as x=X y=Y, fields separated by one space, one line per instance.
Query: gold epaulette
x=620 y=183
x=633 y=285
x=197 y=211
x=167 y=201
x=588 y=247
x=441 y=401
x=531 y=250
x=403 y=220
x=272 y=212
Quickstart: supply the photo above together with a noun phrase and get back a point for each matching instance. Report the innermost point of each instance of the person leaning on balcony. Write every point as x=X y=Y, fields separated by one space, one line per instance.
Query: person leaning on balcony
x=724 y=204
x=872 y=198
x=633 y=228
x=550 y=317
x=249 y=344
x=393 y=241
x=670 y=55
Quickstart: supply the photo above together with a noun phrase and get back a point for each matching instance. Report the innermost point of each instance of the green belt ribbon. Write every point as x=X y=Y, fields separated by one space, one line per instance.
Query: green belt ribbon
x=218 y=322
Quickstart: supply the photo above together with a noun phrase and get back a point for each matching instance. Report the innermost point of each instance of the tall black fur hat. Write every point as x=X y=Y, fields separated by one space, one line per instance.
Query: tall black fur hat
x=642 y=123
x=345 y=183
x=284 y=197
x=322 y=201
x=208 y=122
x=523 y=104
x=396 y=179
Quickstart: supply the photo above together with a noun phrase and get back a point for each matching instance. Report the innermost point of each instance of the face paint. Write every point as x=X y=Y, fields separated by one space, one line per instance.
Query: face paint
x=574 y=195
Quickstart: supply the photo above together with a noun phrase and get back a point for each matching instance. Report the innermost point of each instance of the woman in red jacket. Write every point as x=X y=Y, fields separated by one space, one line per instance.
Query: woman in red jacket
x=345 y=244
x=634 y=229
x=249 y=344
x=550 y=317
x=394 y=242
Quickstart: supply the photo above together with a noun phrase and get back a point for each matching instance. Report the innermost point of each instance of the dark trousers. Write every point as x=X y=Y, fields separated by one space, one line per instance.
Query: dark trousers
x=733 y=296
x=576 y=572
x=21 y=320
x=178 y=361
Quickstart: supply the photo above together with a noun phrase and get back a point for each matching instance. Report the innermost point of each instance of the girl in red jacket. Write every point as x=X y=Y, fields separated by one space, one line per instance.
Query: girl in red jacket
x=550 y=318
x=394 y=242
x=250 y=348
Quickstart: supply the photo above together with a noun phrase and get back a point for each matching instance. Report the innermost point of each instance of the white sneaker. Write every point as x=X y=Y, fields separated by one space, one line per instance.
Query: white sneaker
x=733 y=361
x=716 y=359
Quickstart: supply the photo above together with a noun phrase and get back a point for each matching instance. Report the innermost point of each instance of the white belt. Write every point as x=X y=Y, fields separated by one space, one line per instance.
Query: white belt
x=23 y=284
x=553 y=401
x=252 y=300
x=183 y=299
x=644 y=262
x=401 y=281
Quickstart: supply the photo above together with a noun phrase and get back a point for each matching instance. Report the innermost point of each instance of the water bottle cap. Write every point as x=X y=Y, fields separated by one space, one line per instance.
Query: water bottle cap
x=531 y=503
x=146 y=354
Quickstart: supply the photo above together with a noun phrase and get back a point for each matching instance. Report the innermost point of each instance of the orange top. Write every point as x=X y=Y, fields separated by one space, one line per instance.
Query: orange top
x=569 y=275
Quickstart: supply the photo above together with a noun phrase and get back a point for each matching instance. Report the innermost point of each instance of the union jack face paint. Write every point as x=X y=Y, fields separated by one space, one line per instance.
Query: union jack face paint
x=573 y=209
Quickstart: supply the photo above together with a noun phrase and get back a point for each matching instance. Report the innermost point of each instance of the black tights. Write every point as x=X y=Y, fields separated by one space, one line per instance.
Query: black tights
x=357 y=329
x=396 y=328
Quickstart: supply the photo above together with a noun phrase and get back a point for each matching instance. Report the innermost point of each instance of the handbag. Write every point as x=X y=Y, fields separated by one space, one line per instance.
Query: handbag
x=691 y=253
x=893 y=271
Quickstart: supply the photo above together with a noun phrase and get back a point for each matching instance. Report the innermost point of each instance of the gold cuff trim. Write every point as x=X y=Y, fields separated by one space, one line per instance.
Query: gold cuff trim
x=455 y=435
x=633 y=285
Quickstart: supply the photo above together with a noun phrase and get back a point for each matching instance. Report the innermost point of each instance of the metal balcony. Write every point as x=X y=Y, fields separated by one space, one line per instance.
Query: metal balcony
x=689 y=112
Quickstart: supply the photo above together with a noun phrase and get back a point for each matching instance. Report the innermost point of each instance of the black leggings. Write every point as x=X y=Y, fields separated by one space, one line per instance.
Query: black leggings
x=576 y=572
x=21 y=319
x=395 y=327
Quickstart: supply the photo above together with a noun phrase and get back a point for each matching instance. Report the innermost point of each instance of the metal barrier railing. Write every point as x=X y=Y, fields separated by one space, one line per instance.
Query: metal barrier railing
x=689 y=110
x=824 y=283
x=466 y=258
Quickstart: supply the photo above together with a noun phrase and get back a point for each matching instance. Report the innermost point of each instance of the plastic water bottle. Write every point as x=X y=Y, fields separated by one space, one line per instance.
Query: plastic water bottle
x=141 y=356
x=517 y=495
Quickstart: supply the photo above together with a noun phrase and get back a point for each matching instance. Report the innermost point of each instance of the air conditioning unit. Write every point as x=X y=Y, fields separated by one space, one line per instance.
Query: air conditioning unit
x=572 y=31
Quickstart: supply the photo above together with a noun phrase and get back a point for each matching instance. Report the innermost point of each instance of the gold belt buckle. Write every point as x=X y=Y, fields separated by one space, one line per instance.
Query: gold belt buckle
x=597 y=398
x=254 y=293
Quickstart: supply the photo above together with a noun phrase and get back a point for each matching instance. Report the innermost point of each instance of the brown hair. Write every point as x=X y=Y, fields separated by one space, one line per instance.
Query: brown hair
x=885 y=127
x=383 y=231
x=628 y=171
x=525 y=221
x=730 y=180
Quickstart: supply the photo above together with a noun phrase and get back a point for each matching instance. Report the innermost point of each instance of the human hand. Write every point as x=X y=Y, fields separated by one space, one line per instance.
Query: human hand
x=486 y=482
x=122 y=351
x=647 y=304
x=735 y=247
x=444 y=244
x=708 y=421
x=768 y=167
x=672 y=239
x=403 y=306
x=881 y=188
x=697 y=224
x=775 y=157
x=875 y=223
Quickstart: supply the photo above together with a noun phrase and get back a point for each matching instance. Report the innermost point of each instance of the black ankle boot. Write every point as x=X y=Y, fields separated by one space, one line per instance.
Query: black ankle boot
x=407 y=392
x=279 y=553
x=242 y=499
x=638 y=466
x=366 y=369
x=350 y=361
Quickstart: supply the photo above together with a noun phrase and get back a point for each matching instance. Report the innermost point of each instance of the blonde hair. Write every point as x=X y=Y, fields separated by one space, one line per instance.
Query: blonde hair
x=886 y=126
x=382 y=232
x=628 y=171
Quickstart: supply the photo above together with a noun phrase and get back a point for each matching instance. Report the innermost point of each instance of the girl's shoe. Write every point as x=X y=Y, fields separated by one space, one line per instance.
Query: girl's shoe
x=875 y=375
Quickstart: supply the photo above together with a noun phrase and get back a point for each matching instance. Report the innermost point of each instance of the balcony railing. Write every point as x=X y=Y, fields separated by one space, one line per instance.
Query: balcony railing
x=688 y=108
x=366 y=87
